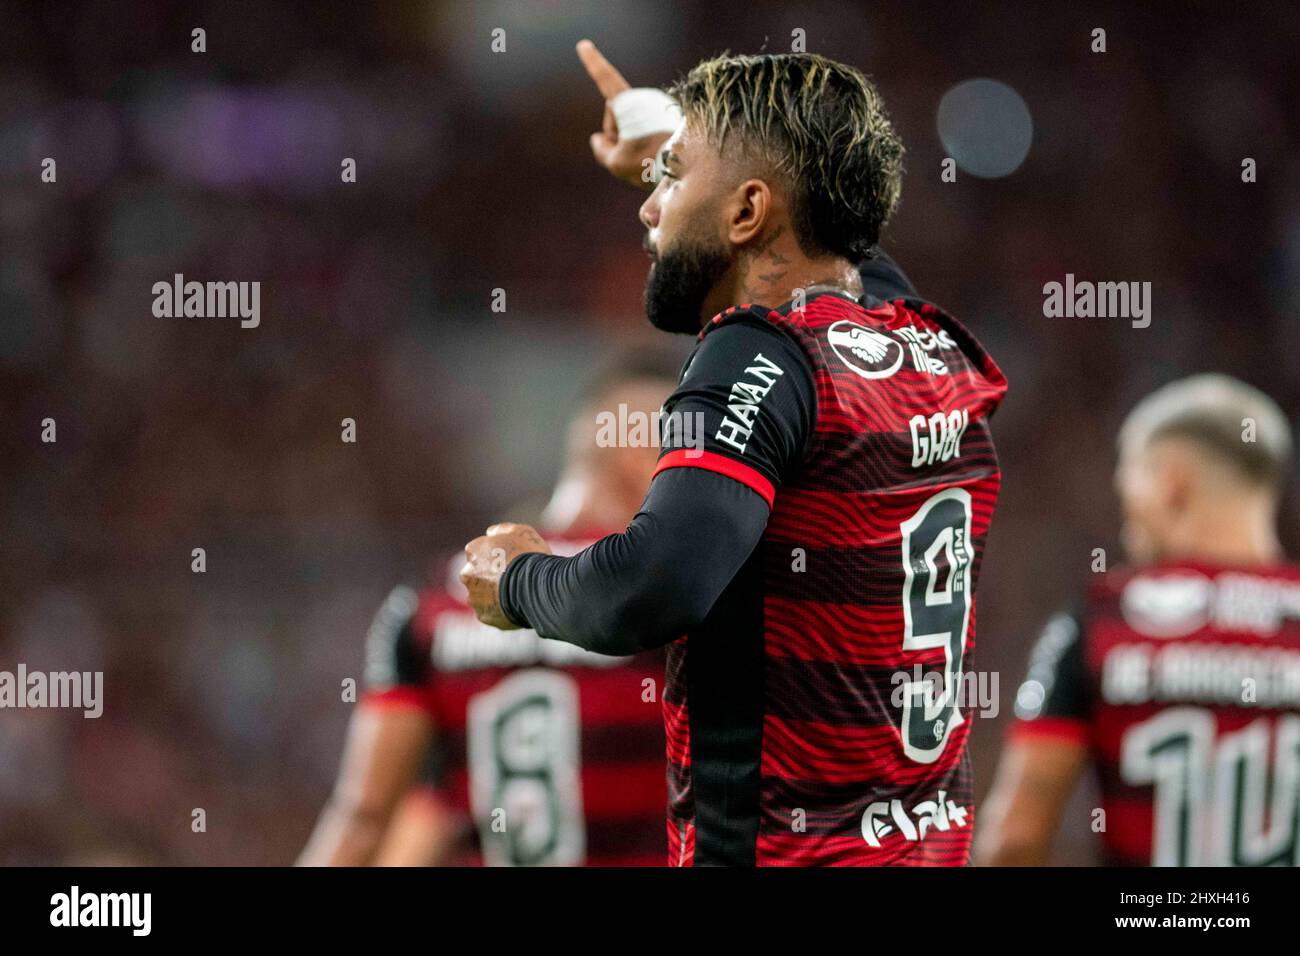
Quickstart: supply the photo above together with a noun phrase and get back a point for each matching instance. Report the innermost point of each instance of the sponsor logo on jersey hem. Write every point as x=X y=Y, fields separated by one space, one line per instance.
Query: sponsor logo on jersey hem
x=880 y=819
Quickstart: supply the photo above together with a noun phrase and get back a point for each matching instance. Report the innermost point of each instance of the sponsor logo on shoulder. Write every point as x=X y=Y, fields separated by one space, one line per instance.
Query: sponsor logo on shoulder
x=879 y=353
x=1174 y=605
x=1168 y=606
x=870 y=353
x=742 y=404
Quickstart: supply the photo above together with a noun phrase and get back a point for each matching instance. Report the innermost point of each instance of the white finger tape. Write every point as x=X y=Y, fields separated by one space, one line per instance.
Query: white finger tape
x=643 y=111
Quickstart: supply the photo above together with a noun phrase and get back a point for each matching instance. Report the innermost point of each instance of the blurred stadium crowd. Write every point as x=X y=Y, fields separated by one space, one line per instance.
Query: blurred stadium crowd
x=223 y=688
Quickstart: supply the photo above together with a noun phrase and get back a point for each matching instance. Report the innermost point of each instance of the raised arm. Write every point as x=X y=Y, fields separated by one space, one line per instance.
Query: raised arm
x=636 y=124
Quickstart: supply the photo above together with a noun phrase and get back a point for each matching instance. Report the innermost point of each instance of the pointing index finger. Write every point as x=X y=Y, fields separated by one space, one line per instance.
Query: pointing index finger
x=608 y=80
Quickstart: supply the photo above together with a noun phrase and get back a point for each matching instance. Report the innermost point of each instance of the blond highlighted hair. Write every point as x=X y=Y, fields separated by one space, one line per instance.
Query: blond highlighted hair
x=817 y=124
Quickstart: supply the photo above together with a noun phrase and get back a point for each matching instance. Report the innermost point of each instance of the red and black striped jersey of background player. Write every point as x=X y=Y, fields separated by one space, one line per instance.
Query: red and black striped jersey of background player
x=548 y=754
x=1183 y=680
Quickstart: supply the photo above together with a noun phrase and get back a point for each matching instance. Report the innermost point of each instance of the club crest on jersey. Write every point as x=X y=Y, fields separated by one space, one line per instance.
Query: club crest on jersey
x=879 y=353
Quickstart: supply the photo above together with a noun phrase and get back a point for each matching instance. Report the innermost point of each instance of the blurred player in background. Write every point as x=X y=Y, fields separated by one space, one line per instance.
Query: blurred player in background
x=827 y=535
x=532 y=752
x=1179 y=679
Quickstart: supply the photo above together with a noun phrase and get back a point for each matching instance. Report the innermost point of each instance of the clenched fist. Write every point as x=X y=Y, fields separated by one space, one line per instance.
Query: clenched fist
x=485 y=561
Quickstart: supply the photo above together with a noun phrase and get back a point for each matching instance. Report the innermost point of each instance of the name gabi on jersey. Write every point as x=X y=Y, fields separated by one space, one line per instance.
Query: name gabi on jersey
x=742 y=404
x=938 y=437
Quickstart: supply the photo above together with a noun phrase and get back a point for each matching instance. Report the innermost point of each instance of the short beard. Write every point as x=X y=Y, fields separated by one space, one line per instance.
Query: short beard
x=679 y=281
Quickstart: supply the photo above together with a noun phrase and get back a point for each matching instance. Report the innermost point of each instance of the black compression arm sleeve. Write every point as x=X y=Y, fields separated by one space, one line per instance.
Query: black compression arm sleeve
x=652 y=583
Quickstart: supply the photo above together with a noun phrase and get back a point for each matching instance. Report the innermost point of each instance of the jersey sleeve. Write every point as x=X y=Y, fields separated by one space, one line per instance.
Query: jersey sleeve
x=398 y=669
x=745 y=407
x=1053 y=700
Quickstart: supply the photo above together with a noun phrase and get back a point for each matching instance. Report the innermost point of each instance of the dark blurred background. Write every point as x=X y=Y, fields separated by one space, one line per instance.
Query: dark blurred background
x=474 y=174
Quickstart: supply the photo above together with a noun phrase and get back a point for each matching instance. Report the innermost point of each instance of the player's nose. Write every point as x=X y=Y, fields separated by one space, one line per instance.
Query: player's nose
x=649 y=212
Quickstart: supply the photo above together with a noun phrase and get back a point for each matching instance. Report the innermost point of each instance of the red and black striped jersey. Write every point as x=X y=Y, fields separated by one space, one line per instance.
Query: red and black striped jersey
x=1183 y=680
x=813 y=718
x=551 y=754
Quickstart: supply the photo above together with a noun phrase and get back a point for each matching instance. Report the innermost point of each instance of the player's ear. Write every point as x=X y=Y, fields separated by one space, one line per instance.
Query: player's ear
x=749 y=211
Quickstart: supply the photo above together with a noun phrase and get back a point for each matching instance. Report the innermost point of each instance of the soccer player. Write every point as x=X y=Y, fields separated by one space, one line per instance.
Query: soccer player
x=827 y=536
x=1179 y=678
x=521 y=752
